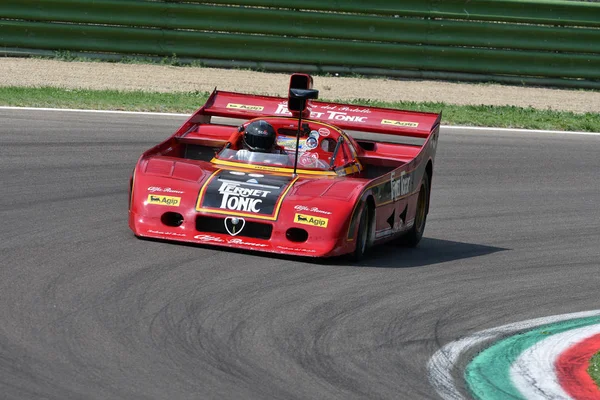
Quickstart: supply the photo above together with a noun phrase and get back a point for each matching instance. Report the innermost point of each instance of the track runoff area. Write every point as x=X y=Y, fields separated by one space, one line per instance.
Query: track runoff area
x=543 y=358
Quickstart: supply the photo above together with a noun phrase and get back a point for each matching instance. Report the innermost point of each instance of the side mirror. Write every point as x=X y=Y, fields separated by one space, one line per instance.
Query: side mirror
x=304 y=94
x=300 y=91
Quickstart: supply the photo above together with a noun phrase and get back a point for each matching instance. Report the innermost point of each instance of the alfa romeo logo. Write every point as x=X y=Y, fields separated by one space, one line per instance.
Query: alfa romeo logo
x=234 y=225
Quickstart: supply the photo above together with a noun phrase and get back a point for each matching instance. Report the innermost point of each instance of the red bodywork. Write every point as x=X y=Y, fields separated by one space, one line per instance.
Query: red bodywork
x=181 y=191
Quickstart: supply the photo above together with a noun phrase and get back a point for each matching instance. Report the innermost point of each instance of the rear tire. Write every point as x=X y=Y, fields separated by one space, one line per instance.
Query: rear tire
x=414 y=235
x=362 y=236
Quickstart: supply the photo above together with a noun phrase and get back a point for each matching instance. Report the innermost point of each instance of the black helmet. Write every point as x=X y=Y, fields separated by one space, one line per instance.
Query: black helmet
x=259 y=136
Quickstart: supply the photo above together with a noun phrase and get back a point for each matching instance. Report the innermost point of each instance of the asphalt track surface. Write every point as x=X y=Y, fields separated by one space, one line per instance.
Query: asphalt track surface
x=87 y=311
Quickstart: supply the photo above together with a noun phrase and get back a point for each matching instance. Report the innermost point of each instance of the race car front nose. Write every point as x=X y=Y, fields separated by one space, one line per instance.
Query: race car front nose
x=234 y=226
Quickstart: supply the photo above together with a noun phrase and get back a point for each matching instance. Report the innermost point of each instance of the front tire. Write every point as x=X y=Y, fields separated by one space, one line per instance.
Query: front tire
x=414 y=235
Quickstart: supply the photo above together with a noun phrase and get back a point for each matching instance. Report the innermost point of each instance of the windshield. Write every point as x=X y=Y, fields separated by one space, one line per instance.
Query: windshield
x=284 y=159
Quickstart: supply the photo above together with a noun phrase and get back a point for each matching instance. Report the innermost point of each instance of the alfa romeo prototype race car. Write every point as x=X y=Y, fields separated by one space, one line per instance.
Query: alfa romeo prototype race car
x=339 y=179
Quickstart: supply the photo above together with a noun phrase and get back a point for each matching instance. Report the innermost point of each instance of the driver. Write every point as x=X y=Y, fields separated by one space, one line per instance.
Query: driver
x=259 y=137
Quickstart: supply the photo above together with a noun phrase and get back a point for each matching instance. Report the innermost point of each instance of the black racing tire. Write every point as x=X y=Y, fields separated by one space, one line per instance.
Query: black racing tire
x=362 y=236
x=414 y=235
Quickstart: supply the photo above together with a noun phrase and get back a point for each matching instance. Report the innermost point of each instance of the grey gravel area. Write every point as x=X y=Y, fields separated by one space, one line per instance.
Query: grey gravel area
x=29 y=72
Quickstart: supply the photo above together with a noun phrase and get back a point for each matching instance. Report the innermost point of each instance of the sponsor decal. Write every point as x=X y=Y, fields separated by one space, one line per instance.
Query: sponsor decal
x=311 y=220
x=236 y=193
x=236 y=197
x=242 y=242
x=289 y=143
x=209 y=238
x=398 y=226
x=340 y=116
x=331 y=114
x=311 y=209
x=264 y=167
x=324 y=132
x=234 y=225
x=399 y=123
x=164 y=200
x=345 y=108
x=311 y=143
x=245 y=107
x=166 y=233
x=308 y=159
x=238 y=241
x=159 y=189
x=296 y=249
x=401 y=185
x=348 y=109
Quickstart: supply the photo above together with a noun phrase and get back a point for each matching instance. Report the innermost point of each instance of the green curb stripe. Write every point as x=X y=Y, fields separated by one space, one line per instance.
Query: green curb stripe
x=488 y=374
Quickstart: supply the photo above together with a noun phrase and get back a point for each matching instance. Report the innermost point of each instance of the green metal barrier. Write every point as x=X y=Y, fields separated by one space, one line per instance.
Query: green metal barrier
x=443 y=36
x=557 y=12
x=323 y=25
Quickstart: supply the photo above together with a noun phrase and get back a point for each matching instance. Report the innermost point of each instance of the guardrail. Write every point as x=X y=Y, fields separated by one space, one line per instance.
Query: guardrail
x=550 y=41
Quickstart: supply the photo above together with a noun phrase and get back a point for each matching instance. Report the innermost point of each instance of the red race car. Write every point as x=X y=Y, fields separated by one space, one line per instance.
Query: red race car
x=293 y=176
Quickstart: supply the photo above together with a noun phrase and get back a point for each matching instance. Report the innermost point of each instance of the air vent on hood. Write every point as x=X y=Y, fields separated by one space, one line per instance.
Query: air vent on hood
x=156 y=166
x=188 y=172
x=312 y=188
x=342 y=190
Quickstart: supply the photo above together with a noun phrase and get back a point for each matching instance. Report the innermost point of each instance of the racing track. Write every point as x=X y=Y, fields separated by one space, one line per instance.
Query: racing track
x=89 y=311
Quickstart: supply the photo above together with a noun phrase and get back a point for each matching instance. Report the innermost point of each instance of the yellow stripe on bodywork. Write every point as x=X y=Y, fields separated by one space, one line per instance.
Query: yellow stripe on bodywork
x=271 y=169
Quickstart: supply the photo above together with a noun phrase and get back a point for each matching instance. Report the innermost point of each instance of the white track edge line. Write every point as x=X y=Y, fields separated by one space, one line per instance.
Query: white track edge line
x=95 y=111
x=455 y=127
x=519 y=130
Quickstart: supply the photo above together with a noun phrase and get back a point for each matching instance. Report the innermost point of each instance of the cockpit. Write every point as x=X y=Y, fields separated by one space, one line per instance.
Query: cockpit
x=321 y=147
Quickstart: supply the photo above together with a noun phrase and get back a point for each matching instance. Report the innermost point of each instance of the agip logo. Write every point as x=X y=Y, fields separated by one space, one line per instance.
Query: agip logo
x=407 y=124
x=311 y=220
x=245 y=107
x=164 y=200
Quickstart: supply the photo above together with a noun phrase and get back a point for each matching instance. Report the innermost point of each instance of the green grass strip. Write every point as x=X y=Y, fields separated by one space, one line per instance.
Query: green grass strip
x=594 y=368
x=102 y=99
x=179 y=102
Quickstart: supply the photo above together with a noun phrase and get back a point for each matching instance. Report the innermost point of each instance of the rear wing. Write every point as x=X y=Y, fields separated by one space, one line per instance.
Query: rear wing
x=345 y=116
